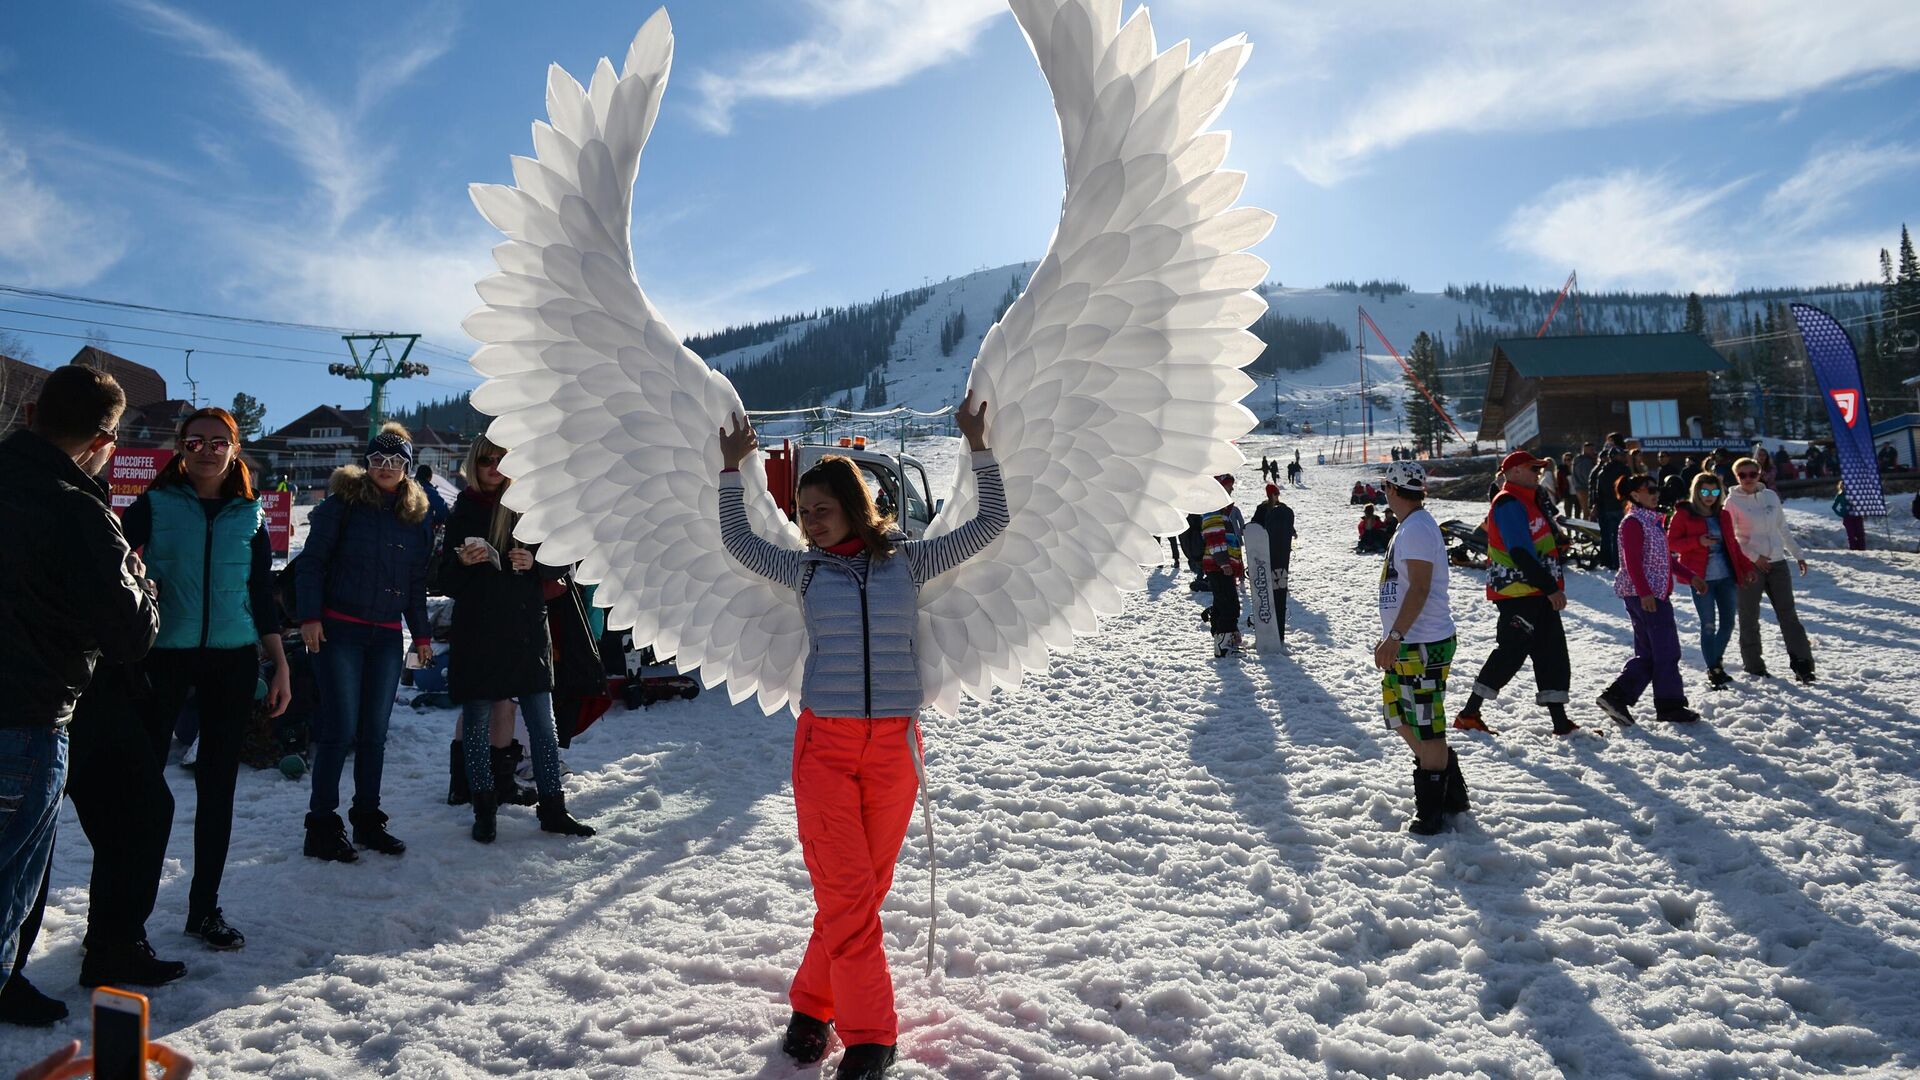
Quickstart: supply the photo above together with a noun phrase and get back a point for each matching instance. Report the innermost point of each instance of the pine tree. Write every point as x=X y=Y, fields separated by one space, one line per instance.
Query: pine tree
x=248 y=415
x=1696 y=315
x=1425 y=423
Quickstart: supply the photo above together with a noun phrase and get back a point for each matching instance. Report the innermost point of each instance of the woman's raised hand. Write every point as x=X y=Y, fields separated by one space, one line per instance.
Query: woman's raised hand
x=972 y=423
x=736 y=445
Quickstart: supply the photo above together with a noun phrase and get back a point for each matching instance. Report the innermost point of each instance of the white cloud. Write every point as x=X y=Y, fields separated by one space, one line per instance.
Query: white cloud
x=321 y=137
x=851 y=46
x=1489 y=66
x=1825 y=183
x=1629 y=229
x=45 y=240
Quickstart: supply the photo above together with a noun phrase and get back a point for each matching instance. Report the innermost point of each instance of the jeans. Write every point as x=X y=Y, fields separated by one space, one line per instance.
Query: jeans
x=359 y=669
x=1609 y=521
x=33 y=773
x=1715 y=603
x=538 y=711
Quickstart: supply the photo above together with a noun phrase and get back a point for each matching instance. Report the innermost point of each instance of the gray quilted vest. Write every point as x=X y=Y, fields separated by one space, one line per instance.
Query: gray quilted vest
x=860 y=662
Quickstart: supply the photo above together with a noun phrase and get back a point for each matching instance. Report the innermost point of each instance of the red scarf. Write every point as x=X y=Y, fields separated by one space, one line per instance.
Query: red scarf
x=847 y=548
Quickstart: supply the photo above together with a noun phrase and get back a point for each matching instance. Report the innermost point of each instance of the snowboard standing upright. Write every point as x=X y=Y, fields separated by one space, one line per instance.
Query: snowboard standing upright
x=1260 y=613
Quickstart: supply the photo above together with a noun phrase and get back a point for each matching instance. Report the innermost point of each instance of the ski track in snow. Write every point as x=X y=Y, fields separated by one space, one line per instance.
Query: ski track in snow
x=1152 y=865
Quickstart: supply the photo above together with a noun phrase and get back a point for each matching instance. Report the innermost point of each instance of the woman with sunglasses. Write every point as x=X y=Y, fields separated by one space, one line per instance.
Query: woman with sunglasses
x=361 y=575
x=1645 y=583
x=205 y=538
x=500 y=650
x=1701 y=536
x=1761 y=528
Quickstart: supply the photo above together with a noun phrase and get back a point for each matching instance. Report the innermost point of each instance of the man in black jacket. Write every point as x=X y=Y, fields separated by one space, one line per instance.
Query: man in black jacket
x=1607 y=509
x=70 y=593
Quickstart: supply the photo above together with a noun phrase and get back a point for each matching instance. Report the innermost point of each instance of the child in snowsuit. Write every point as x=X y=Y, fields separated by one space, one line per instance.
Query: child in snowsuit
x=1223 y=564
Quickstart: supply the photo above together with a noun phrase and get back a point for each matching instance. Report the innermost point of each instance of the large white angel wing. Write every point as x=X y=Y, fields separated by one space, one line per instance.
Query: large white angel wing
x=611 y=424
x=1114 y=381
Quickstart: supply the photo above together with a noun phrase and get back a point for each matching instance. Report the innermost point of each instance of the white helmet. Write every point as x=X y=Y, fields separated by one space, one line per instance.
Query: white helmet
x=1410 y=475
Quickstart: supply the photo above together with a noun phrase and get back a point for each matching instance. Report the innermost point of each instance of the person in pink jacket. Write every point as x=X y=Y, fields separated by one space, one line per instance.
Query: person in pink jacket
x=1645 y=582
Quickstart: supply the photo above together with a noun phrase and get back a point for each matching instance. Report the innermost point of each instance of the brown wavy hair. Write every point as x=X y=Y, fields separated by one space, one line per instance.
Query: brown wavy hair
x=841 y=478
x=239 y=481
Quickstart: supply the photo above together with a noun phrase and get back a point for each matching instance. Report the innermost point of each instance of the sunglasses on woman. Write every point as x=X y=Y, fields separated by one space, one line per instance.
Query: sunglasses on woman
x=1749 y=475
x=196 y=443
x=489 y=460
x=387 y=461
x=1709 y=491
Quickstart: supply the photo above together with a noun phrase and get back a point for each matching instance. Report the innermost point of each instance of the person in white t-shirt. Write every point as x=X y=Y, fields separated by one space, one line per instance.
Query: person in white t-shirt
x=1416 y=648
x=1760 y=525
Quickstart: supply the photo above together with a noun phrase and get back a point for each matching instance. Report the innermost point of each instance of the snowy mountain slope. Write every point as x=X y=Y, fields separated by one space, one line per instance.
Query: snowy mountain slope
x=1152 y=865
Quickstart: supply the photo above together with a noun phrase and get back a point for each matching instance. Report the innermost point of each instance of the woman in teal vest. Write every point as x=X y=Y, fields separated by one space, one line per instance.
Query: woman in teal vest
x=205 y=535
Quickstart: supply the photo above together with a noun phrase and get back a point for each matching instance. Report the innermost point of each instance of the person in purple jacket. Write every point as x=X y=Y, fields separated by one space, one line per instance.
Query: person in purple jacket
x=1645 y=582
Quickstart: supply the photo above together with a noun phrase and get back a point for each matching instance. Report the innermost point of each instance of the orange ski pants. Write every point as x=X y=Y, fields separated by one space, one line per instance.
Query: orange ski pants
x=854 y=783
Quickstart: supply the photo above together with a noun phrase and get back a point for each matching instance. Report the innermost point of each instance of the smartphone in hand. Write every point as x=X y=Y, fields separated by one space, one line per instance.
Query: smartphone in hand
x=119 y=1035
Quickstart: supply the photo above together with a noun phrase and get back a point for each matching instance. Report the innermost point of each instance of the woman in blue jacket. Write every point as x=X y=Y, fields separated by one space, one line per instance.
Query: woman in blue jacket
x=205 y=538
x=362 y=574
x=856 y=757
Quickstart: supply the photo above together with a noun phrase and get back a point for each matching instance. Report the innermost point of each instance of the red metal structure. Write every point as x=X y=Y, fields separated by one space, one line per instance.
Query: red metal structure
x=1573 y=283
x=1367 y=320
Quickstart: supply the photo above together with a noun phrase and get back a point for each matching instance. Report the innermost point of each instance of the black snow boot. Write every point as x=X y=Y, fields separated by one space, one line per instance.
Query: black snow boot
x=1674 y=711
x=457 y=794
x=1429 y=801
x=865 y=1061
x=1803 y=672
x=807 y=1038
x=1562 y=725
x=127 y=965
x=1718 y=678
x=506 y=789
x=370 y=831
x=555 y=819
x=1616 y=706
x=1456 y=786
x=327 y=839
x=485 y=826
x=22 y=1003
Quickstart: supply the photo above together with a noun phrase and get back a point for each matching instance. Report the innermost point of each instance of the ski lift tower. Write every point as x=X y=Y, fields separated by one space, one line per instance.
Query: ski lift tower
x=379 y=367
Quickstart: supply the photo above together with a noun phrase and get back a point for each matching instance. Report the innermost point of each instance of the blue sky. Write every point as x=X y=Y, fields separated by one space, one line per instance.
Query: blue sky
x=309 y=162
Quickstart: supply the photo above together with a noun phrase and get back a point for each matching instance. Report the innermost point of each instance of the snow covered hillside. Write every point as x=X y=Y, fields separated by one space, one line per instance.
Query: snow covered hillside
x=1152 y=865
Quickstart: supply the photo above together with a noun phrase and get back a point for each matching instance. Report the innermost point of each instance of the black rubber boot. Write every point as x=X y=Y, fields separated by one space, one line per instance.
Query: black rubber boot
x=1429 y=801
x=1674 y=711
x=485 y=825
x=457 y=794
x=370 y=831
x=807 y=1038
x=865 y=1061
x=555 y=819
x=1456 y=786
x=506 y=788
x=327 y=839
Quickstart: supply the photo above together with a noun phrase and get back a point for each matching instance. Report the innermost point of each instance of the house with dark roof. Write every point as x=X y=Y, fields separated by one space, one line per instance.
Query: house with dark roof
x=307 y=450
x=1554 y=393
x=151 y=416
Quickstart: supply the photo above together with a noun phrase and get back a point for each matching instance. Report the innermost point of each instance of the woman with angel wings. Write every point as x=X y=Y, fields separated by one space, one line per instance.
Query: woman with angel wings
x=1115 y=379
x=856 y=750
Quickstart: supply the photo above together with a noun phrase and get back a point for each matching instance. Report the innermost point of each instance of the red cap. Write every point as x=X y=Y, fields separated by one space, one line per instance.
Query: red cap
x=1273 y=489
x=1518 y=459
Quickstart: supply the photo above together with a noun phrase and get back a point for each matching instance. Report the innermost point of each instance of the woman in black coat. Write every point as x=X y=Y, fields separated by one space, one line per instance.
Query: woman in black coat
x=499 y=646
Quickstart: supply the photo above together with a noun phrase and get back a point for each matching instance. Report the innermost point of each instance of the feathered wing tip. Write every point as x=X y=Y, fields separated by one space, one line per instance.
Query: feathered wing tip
x=1115 y=378
x=612 y=424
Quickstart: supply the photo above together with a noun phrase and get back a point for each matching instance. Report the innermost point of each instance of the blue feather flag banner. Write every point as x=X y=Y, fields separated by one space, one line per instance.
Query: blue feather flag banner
x=1837 y=368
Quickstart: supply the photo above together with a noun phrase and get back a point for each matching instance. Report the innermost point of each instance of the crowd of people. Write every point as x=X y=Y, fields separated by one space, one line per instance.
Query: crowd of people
x=112 y=623
x=109 y=623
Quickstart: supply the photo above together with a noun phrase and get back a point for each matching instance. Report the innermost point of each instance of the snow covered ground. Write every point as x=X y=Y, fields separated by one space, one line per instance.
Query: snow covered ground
x=1152 y=865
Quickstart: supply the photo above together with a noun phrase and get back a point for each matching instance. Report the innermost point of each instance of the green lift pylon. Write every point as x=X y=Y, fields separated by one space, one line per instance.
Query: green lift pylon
x=379 y=367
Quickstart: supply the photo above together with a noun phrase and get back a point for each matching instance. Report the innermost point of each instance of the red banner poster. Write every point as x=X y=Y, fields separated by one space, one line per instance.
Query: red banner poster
x=131 y=471
x=279 y=508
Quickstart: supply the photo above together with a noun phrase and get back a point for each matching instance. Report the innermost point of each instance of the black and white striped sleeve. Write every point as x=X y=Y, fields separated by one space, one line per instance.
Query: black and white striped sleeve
x=776 y=564
x=928 y=559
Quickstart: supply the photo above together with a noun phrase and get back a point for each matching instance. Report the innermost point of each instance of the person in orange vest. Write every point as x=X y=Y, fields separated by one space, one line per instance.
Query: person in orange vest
x=1526 y=584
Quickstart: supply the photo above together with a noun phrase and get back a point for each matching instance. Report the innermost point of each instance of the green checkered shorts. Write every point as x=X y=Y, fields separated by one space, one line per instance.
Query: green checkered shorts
x=1414 y=691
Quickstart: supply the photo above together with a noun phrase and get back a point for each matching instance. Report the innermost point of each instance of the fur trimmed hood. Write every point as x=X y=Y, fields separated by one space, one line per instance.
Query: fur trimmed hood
x=356 y=488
